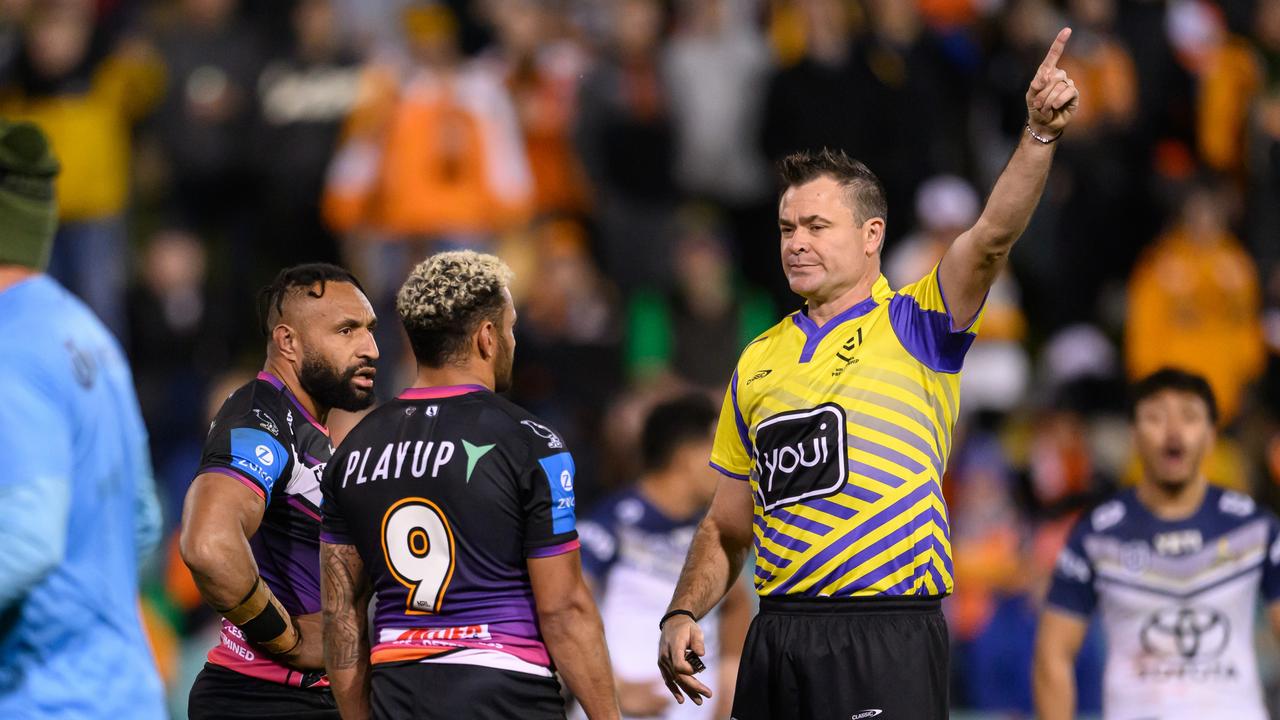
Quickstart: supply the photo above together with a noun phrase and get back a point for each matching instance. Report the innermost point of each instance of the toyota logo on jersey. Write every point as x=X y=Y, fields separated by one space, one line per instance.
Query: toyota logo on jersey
x=1188 y=633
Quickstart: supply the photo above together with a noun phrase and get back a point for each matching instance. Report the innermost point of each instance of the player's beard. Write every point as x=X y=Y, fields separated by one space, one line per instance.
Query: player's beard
x=503 y=365
x=331 y=388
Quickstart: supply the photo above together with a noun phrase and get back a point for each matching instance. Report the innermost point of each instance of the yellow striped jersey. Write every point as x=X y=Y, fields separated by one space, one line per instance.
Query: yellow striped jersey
x=843 y=431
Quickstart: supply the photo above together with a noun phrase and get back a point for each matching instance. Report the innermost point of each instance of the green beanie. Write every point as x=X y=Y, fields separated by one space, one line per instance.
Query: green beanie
x=28 y=210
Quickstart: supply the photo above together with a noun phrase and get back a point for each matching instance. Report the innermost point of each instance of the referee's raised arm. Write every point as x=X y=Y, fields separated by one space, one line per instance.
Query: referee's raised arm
x=973 y=261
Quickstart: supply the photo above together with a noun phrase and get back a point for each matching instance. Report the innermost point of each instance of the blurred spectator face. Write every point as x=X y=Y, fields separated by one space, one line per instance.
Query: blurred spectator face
x=1172 y=433
x=1096 y=15
x=521 y=26
x=314 y=26
x=637 y=27
x=825 y=21
x=1203 y=214
x=824 y=252
x=58 y=38
x=210 y=13
x=175 y=262
x=1267 y=24
x=700 y=261
x=433 y=34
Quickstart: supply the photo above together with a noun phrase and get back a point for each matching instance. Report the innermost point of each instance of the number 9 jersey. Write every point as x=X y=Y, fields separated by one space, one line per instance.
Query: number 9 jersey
x=446 y=492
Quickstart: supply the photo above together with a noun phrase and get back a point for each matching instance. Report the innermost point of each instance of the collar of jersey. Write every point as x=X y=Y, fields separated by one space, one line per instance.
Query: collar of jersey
x=442 y=391
x=278 y=384
x=814 y=334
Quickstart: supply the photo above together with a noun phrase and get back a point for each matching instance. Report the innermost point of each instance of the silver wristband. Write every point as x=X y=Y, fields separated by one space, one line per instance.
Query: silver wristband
x=1040 y=138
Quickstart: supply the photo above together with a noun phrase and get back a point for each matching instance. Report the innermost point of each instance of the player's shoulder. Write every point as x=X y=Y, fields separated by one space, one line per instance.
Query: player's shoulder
x=624 y=507
x=520 y=425
x=1232 y=507
x=1108 y=515
x=256 y=404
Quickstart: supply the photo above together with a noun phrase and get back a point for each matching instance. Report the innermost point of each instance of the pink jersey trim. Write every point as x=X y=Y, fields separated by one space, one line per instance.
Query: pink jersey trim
x=443 y=391
x=238 y=476
x=553 y=550
x=279 y=385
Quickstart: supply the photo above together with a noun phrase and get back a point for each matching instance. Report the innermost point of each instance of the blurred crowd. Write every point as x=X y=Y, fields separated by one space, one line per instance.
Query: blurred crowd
x=618 y=154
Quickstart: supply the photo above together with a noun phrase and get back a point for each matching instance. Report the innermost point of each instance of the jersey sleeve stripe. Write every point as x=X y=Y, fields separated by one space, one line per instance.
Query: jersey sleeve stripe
x=296 y=503
x=220 y=470
x=724 y=471
x=738 y=420
x=553 y=550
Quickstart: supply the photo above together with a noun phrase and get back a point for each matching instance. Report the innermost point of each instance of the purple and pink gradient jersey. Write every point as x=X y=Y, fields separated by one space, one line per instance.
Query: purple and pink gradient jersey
x=264 y=438
x=446 y=493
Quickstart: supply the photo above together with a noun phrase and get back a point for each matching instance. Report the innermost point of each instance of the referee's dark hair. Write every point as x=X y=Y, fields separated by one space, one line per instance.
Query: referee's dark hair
x=863 y=190
x=1173 y=379
x=674 y=423
x=298 y=279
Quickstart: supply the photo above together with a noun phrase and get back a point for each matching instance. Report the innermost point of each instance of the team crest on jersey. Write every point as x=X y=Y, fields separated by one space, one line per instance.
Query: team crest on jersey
x=553 y=440
x=266 y=422
x=801 y=455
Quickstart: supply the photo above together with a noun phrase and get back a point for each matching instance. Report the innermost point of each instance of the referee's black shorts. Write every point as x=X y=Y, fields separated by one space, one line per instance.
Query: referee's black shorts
x=222 y=694
x=825 y=659
x=444 y=691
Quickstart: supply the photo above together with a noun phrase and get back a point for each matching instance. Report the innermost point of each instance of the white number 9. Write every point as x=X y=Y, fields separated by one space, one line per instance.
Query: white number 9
x=417 y=543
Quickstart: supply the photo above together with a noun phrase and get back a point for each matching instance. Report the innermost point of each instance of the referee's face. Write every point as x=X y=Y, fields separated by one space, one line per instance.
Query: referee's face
x=825 y=252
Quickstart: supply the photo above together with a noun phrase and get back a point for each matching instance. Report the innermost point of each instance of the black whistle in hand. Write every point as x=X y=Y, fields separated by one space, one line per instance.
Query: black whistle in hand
x=692 y=658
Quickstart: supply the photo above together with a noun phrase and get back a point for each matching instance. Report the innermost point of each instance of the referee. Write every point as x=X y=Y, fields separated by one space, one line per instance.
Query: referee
x=833 y=438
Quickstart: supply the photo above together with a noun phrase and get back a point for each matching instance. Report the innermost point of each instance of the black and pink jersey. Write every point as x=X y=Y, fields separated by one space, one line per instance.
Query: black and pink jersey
x=267 y=440
x=446 y=492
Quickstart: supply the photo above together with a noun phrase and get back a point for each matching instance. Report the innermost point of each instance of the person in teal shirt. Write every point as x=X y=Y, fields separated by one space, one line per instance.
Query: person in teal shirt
x=78 y=511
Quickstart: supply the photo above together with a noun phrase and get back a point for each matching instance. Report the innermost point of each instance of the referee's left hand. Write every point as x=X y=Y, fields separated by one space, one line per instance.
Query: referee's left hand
x=679 y=634
x=1052 y=98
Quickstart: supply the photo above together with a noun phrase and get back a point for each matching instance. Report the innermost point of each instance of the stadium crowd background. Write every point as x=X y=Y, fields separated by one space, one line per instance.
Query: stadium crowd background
x=618 y=154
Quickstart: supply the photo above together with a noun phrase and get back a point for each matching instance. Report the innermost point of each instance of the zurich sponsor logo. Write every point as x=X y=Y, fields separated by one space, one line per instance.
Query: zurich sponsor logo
x=264 y=455
x=863 y=714
x=566 y=480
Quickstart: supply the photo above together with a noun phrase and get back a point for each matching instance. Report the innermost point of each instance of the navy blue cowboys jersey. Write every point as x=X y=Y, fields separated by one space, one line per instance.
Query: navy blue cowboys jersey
x=1177 y=601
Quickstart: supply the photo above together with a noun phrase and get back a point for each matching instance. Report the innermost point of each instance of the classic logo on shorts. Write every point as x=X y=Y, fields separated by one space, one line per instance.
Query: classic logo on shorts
x=863 y=715
x=801 y=455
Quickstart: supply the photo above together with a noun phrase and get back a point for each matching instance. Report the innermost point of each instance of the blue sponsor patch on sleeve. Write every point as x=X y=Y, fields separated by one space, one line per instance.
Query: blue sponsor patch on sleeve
x=559 y=470
x=258 y=455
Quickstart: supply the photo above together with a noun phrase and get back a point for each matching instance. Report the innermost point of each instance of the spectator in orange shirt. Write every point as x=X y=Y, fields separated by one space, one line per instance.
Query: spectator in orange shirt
x=1194 y=302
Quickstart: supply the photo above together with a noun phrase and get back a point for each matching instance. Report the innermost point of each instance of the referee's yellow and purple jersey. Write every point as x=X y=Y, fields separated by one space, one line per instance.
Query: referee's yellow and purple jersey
x=843 y=432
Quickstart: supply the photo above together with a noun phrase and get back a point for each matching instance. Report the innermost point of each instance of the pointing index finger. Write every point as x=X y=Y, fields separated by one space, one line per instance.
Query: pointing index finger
x=1055 y=50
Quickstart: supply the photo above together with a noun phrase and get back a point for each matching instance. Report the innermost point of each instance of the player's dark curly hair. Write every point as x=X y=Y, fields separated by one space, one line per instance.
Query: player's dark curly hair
x=865 y=192
x=1173 y=379
x=445 y=299
x=673 y=424
x=308 y=277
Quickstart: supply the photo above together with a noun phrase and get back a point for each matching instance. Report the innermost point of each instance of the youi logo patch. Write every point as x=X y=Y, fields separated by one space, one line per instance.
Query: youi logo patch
x=801 y=455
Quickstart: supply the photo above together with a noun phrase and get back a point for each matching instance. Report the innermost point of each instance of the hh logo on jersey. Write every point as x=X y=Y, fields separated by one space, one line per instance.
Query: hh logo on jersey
x=801 y=455
x=559 y=470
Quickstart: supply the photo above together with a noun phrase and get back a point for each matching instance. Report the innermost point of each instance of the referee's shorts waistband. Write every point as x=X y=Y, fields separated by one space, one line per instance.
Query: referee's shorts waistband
x=875 y=605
